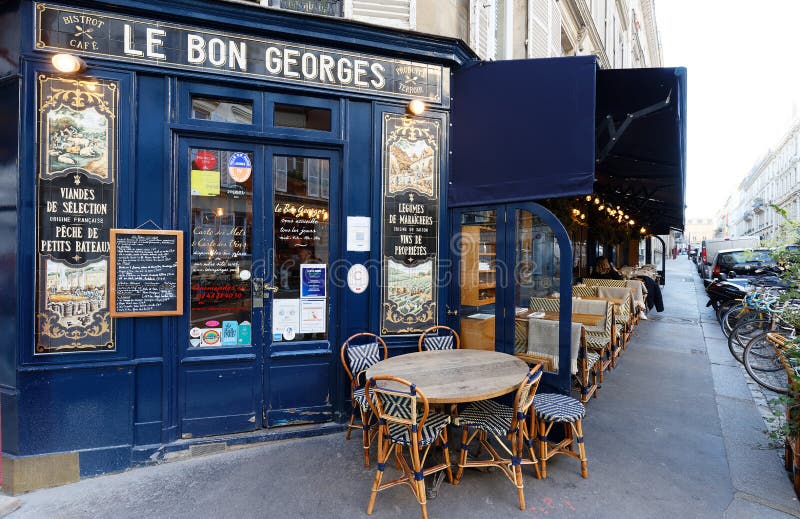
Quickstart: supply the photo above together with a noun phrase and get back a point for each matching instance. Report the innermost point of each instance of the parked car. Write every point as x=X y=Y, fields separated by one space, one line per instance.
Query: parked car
x=741 y=264
x=709 y=249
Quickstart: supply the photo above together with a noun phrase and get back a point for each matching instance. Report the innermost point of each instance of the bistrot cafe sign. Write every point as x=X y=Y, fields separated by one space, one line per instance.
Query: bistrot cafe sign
x=94 y=33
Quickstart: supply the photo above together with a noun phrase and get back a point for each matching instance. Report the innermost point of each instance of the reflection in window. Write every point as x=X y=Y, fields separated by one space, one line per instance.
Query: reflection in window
x=307 y=117
x=221 y=245
x=538 y=259
x=219 y=110
x=302 y=246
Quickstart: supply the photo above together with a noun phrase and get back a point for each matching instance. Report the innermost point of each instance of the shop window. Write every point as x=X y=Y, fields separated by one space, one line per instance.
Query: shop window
x=221 y=247
x=220 y=110
x=302 y=246
x=306 y=117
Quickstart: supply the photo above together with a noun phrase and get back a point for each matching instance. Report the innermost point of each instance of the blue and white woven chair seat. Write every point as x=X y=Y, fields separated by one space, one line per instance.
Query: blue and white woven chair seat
x=553 y=407
x=438 y=343
x=361 y=398
x=433 y=426
x=592 y=358
x=489 y=416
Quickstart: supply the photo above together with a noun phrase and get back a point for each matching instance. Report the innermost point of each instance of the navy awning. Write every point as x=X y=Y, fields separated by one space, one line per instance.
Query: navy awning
x=522 y=130
x=548 y=128
x=641 y=143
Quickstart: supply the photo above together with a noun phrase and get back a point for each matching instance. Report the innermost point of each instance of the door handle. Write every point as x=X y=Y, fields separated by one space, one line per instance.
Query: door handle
x=452 y=313
x=271 y=288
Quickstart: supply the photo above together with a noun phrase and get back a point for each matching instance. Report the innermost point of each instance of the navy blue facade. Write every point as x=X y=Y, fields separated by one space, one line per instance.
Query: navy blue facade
x=153 y=392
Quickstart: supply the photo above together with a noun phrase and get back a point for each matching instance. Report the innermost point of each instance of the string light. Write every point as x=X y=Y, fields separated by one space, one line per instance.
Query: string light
x=614 y=212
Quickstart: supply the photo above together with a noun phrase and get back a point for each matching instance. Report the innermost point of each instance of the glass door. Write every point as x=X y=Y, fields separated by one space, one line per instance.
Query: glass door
x=221 y=351
x=513 y=265
x=301 y=312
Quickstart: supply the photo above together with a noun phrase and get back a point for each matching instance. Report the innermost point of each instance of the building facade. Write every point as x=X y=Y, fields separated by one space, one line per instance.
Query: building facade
x=621 y=33
x=773 y=180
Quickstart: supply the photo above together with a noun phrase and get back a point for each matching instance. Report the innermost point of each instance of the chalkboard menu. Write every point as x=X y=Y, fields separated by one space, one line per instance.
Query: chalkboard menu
x=146 y=273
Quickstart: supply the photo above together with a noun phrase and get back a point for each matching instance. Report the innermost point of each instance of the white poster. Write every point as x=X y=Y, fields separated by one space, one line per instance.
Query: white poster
x=358 y=233
x=312 y=316
x=285 y=319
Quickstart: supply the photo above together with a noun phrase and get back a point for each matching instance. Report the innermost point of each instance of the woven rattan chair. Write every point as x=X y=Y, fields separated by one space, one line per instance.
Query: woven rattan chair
x=405 y=420
x=357 y=359
x=439 y=338
x=550 y=409
x=584 y=291
x=541 y=347
x=544 y=304
x=623 y=316
x=600 y=339
x=594 y=282
x=488 y=418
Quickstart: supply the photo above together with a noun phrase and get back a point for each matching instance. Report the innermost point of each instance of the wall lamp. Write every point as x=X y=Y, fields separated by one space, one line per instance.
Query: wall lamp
x=416 y=106
x=68 y=63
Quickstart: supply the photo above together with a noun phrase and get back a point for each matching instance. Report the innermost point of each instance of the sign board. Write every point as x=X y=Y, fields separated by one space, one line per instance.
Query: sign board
x=146 y=272
x=162 y=44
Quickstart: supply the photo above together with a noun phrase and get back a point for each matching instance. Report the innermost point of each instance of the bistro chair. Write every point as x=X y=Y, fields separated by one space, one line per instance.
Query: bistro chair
x=542 y=348
x=405 y=420
x=595 y=282
x=431 y=339
x=639 y=294
x=623 y=316
x=505 y=424
x=544 y=304
x=357 y=359
x=584 y=291
x=553 y=408
x=599 y=339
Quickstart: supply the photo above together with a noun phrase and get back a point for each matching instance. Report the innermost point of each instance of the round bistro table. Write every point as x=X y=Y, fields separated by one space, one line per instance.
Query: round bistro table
x=456 y=376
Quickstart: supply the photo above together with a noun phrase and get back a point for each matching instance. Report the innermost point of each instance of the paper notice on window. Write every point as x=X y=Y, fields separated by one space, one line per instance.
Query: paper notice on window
x=205 y=183
x=312 y=316
x=285 y=319
x=358 y=233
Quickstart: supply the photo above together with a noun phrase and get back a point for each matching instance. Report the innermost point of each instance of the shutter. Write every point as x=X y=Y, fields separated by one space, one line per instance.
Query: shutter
x=392 y=13
x=482 y=35
x=544 y=34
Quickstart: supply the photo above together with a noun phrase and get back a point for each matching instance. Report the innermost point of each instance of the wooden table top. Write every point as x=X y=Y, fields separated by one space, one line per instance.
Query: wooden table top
x=456 y=376
x=584 y=319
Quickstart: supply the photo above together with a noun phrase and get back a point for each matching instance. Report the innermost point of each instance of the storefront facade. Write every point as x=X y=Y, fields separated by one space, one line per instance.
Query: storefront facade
x=198 y=215
x=279 y=151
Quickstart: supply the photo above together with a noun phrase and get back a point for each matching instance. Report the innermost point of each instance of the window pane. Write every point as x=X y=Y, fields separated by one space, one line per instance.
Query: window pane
x=293 y=116
x=219 y=110
x=222 y=223
x=301 y=247
x=478 y=271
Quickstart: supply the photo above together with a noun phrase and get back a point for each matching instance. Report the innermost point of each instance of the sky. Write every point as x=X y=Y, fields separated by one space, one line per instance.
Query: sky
x=743 y=73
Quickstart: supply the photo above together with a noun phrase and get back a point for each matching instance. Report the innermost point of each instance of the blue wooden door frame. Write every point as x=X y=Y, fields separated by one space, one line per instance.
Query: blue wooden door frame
x=235 y=367
x=284 y=404
x=505 y=296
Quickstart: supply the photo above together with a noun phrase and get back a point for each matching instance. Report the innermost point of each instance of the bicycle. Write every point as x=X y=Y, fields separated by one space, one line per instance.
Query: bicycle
x=747 y=329
x=765 y=355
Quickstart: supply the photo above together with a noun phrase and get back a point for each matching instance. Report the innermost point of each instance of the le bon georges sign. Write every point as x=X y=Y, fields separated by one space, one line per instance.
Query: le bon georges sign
x=95 y=33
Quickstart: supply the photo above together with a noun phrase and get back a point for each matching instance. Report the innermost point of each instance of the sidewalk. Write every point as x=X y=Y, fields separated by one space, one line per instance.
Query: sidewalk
x=675 y=432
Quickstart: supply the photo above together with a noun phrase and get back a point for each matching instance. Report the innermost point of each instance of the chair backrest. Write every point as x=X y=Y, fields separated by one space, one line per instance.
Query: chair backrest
x=638 y=293
x=623 y=293
x=525 y=393
x=594 y=282
x=583 y=306
x=397 y=401
x=584 y=291
x=357 y=358
x=543 y=341
x=431 y=339
x=544 y=304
